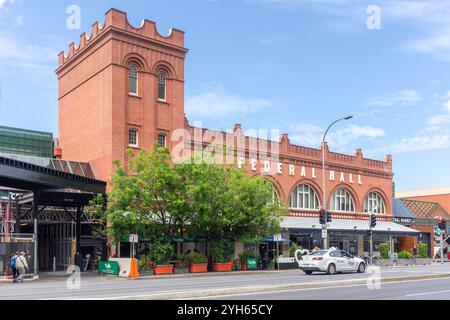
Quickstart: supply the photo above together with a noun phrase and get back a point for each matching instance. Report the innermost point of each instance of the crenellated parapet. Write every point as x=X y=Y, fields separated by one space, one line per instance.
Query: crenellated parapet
x=288 y=150
x=118 y=20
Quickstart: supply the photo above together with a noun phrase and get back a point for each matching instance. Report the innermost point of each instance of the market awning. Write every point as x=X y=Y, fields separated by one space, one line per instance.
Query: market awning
x=346 y=225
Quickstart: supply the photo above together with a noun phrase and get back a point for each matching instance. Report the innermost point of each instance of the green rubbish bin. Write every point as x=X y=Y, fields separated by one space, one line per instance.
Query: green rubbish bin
x=110 y=268
x=252 y=264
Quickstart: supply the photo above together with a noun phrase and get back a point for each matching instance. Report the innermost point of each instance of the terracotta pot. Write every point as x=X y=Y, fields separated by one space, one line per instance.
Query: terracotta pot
x=160 y=270
x=222 y=267
x=198 y=268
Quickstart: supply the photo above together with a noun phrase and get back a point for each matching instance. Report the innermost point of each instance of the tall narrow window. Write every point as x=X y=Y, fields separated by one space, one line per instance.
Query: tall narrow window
x=162 y=86
x=133 y=138
x=133 y=79
x=162 y=140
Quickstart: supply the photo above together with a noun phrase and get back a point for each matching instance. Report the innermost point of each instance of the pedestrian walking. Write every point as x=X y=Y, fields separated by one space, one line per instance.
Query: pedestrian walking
x=22 y=266
x=12 y=265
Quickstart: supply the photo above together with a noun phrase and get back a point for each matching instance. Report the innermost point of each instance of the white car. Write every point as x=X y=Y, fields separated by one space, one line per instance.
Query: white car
x=331 y=261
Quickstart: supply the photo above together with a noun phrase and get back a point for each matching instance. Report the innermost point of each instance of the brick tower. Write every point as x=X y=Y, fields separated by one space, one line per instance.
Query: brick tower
x=120 y=87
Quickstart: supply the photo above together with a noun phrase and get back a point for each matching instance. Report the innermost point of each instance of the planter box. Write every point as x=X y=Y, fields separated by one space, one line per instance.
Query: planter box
x=160 y=270
x=223 y=267
x=181 y=270
x=422 y=261
x=384 y=262
x=198 y=268
x=404 y=262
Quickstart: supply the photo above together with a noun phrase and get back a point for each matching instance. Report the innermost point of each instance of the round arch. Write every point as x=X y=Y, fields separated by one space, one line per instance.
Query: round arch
x=359 y=206
x=310 y=183
x=382 y=195
x=135 y=58
x=165 y=67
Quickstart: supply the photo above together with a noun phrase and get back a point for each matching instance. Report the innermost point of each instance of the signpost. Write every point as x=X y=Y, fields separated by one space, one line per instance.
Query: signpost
x=133 y=239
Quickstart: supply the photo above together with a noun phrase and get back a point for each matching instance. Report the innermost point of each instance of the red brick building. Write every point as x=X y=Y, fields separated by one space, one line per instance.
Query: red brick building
x=123 y=87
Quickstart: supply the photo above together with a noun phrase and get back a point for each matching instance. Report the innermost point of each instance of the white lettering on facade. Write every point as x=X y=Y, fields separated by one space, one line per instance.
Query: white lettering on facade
x=331 y=175
x=253 y=164
x=342 y=179
x=313 y=174
x=280 y=168
x=291 y=170
x=266 y=166
x=241 y=161
x=350 y=178
x=303 y=172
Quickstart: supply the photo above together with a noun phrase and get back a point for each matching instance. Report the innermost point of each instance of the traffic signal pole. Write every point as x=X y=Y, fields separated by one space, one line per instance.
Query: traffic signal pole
x=442 y=247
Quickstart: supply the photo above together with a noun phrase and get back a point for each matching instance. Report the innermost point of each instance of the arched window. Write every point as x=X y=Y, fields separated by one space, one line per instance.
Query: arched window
x=374 y=203
x=162 y=87
x=133 y=137
x=133 y=79
x=304 y=197
x=341 y=200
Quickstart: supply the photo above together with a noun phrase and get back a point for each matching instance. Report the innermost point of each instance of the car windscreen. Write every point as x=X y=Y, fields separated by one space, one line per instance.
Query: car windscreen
x=318 y=253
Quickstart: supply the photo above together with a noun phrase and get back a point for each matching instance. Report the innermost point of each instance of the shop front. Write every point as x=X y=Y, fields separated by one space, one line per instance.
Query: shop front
x=348 y=235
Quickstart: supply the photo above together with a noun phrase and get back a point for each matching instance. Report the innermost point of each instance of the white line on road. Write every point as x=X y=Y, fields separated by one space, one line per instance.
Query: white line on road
x=426 y=293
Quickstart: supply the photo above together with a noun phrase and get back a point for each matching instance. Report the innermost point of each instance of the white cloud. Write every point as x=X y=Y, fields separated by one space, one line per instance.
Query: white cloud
x=404 y=97
x=417 y=143
x=312 y=135
x=216 y=102
x=444 y=117
x=18 y=54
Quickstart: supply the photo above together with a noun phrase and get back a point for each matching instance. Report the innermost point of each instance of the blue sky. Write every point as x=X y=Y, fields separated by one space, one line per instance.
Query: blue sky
x=292 y=65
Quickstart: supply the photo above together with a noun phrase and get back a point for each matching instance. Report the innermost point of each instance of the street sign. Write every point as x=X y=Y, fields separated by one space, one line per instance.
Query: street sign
x=278 y=237
x=324 y=233
x=134 y=238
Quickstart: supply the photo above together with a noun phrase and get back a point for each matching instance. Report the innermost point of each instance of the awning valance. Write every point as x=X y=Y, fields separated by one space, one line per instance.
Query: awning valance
x=346 y=225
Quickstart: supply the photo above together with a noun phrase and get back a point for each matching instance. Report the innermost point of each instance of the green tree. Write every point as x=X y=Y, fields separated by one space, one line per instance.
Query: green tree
x=161 y=200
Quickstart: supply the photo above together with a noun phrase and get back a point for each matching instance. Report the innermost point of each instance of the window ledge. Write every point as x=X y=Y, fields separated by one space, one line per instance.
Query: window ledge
x=162 y=101
x=134 y=147
x=134 y=95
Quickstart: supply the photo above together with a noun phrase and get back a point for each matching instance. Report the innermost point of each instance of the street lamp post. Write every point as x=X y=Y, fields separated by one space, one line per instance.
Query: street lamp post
x=324 y=180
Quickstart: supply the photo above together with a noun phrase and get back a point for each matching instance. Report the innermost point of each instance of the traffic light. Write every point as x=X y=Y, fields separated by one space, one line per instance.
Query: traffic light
x=369 y=233
x=322 y=217
x=329 y=217
x=373 y=220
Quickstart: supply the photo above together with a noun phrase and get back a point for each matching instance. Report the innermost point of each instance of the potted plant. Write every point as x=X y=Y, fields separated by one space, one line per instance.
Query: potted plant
x=404 y=258
x=144 y=263
x=422 y=257
x=222 y=254
x=182 y=264
x=160 y=254
x=198 y=263
x=384 y=260
x=243 y=257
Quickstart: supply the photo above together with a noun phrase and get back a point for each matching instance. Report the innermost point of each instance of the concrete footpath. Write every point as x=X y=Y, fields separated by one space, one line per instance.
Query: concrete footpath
x=190 y=286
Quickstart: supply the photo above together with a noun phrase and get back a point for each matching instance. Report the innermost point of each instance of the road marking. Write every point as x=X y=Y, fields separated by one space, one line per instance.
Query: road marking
x=308 y=289
x=426 y=293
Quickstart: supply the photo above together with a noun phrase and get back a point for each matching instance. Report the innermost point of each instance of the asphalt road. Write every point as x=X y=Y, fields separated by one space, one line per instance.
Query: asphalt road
x=432 y=289
x=114 y=288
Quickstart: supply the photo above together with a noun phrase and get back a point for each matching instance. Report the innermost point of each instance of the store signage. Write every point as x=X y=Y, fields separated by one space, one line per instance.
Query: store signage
x=108 y=268
x=279 y=168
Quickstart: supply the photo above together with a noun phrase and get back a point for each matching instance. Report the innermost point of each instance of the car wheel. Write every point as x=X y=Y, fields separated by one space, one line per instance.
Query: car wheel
x=361 y=268
x=308 y=272
x=331 y=269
